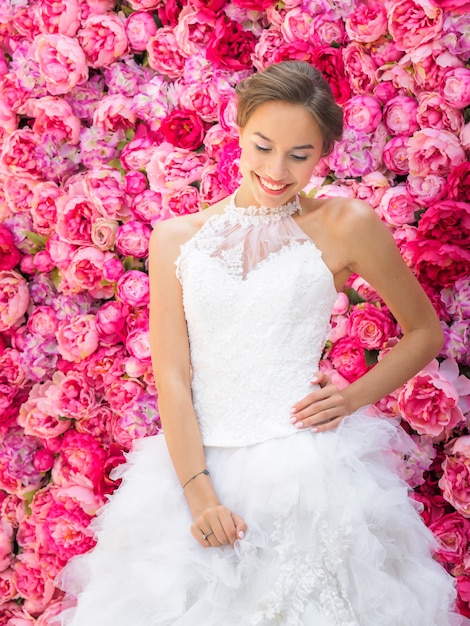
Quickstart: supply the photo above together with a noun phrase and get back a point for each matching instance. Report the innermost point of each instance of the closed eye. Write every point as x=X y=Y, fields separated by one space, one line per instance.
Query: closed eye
x=262 y=148
x=299 y=158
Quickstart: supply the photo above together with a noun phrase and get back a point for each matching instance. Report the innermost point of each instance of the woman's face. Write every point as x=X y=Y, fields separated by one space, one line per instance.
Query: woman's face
x=281 y=144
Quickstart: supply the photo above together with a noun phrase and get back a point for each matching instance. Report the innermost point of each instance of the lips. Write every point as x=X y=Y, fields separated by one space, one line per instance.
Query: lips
x=273 y=188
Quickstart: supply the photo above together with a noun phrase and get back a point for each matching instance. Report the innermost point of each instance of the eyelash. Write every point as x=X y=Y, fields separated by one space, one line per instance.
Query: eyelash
x=293 y=156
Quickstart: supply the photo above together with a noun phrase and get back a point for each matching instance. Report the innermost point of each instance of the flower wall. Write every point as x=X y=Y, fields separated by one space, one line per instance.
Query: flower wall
x=117 y=115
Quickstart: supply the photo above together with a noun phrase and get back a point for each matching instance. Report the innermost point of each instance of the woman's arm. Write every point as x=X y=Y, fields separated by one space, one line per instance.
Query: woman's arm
x=171 y=363
x=372 y=253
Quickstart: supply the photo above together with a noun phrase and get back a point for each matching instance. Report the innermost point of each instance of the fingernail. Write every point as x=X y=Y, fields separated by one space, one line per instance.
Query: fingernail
x=241 y=535
x=293 y=420
x=298 y=425
x=314 y=430
x=292 y=411
x=314 y=379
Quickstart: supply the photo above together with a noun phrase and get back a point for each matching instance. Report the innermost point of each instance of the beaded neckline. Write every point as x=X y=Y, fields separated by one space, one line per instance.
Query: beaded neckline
x=285 y=210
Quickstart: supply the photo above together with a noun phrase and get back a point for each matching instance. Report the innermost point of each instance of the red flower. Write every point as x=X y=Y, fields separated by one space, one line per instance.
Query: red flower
x=183 y=128
x=458 y=183
x=330 y=63
x=9 y=254
x=230 y=47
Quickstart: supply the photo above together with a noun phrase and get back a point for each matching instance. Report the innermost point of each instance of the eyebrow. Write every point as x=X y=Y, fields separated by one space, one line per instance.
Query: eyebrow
x=307 y=146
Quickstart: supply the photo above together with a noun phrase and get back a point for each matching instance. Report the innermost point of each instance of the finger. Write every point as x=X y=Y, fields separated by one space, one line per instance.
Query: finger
x=321 y=379
x=240 y=526
x=327 y=424
x=198 y=535
x=303 y=404
x=216 y=525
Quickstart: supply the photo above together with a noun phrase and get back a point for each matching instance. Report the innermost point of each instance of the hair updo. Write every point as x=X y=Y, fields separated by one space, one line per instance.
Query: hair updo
x=296 y=82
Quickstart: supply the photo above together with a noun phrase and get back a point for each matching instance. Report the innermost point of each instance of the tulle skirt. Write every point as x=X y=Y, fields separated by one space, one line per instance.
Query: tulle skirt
x=333 y=539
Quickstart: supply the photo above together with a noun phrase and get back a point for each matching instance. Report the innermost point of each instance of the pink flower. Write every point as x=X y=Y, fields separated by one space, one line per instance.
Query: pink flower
x=133 y=288
x=211 y=189
x=147 y=207
x=110 y=321
x=400 y=115
x=114 y=112
x=363 y=113
x=297 y=25
x=182 y=201
x=347 y=357
x=440 y=263
x=132 y=239
x=6 y=544
x=163 y=53
x=453 y=534
x=429 y=402
x=395 y=155
x=104 y=187
x=103 y=39
x=265 y=48
x=455 y=483
x=412 y=23
x=371 y=325
x=86 y=271
x=43 y=206
x=135 y=182
x=14 y=298
x=75 y=215
x=63 y=18
x=103 y=233
x=9 y=253
x=61 y=61
x=368 y=22
x=75 y=395
x=140 y=27
x=141 y=420
x=433 y=151
x=448 y=221
x=455 y=87
x=360 y=70
x=175 y=169
x=43 y=321
x=458 y=183
x=426 y=189
x=32 y=582
x=39 y=415
x=20 y=154
x=193 y=29
x=77 y=338
x=43 y=460
x=138 y=344
x=228 y=169
x=434 y=112
x=327 y=31
x=122 y=394
x=80 y=461
x=54 y=117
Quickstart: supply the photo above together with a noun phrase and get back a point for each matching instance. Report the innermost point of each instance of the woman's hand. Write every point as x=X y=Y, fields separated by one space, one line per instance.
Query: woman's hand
x=321 y=410
x=217 y=526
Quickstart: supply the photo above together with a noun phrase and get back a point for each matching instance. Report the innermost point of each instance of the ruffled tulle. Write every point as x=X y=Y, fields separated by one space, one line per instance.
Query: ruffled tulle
x=333 y=540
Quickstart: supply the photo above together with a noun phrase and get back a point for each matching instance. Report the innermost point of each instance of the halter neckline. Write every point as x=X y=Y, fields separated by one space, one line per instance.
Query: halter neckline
x=279 y=212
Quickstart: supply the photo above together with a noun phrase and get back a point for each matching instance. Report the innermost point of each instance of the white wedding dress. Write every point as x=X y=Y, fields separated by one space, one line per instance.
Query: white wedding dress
x=333 y=538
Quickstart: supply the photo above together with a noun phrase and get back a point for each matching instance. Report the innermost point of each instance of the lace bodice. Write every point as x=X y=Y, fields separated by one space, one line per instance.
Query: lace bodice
x=257 y=298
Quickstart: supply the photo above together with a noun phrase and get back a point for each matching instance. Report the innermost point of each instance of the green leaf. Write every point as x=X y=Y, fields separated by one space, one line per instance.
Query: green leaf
x=56 y=277
x=371 y=357
x=38 y=240
x=353 y=296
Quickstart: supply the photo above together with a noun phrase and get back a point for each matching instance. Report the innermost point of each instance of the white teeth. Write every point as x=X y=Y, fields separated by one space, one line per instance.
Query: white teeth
x=272 y=187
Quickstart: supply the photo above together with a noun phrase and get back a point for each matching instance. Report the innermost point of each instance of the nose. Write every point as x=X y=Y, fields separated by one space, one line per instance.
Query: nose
x=276 y=168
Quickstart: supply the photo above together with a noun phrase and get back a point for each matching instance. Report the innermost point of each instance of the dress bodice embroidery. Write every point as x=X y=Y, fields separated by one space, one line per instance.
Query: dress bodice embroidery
x=257 y=298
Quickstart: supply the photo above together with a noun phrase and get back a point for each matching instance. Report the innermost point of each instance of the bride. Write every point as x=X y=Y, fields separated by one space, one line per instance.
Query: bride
x=269 y=501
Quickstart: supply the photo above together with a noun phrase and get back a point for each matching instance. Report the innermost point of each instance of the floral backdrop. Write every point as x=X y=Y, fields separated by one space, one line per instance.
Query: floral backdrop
x=116 y=115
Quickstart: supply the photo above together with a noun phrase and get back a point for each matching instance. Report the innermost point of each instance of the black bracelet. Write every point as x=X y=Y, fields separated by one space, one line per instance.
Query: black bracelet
x=204 y=471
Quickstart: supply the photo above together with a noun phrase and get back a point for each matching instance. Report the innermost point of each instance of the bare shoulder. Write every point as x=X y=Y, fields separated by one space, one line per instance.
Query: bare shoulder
x=169 y=235
x=341 y=213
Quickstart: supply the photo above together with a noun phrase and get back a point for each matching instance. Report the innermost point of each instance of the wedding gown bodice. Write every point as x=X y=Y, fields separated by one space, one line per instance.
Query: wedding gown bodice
x=257 y=299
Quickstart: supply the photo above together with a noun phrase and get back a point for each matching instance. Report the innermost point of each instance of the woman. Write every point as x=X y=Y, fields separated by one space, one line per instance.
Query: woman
x=296 y=514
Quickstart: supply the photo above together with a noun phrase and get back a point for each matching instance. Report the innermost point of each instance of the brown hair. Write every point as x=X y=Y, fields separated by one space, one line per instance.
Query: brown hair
x=296 y=82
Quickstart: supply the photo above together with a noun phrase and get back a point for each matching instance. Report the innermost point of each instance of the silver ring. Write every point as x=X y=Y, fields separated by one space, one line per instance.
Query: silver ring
x=205 y=535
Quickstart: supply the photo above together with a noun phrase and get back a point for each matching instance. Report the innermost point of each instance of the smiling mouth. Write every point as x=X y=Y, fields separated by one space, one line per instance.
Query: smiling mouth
x=272 y=187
